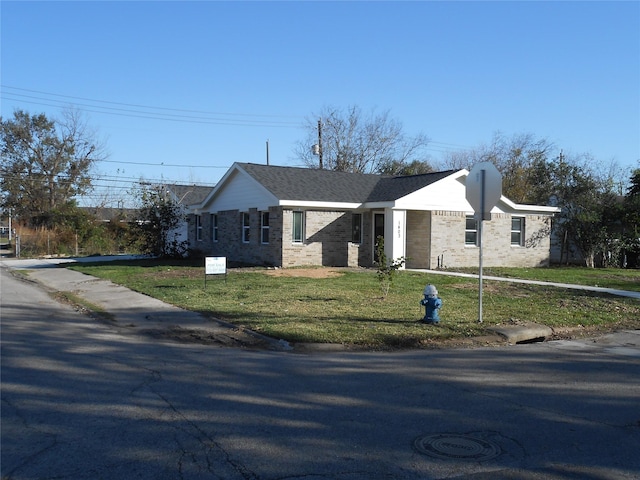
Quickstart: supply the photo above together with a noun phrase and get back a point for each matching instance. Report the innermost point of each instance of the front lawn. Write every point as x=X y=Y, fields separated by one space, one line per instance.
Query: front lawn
x=346 y=305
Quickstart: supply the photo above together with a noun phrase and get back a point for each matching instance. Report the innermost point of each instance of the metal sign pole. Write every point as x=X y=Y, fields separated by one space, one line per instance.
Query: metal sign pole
x=480 y=221
x=483 y=191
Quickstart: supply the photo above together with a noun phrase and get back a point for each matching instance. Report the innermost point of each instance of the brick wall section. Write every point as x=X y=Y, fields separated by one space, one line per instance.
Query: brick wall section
x=327 y=240
x=418 y=247
x=364 y=254
x=230 y=242
x=447 y=241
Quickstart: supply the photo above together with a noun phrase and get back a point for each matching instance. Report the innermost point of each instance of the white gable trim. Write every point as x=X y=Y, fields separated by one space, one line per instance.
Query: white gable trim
x=530 y=209
x=449 y=194
x=255 y=195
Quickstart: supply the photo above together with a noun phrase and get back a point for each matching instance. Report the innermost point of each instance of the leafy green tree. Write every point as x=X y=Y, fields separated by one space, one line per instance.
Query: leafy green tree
x=354 y=142
x=591 y=218
x=631 y=208
x=387 y=268
x=397 y=168
x=45 y=163
x=158 y=220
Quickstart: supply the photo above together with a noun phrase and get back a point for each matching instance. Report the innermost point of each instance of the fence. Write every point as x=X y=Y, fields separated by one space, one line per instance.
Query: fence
x=29 y=243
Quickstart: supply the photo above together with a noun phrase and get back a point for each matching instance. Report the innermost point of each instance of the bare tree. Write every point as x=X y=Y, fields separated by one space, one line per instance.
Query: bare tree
x=515 y=157
x=45 y=163
x=353 y=142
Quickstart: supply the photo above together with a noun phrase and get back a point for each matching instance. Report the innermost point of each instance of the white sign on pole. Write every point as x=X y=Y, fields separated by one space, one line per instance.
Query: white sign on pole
x=215 y=265
x=484 y=189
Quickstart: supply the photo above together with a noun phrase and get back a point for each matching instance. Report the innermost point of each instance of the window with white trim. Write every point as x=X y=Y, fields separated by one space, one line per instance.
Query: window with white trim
x=198 y=228
x=298 y=226
x=245 y=227
x=517 y=231
x=264 y=227
x=214 y=227
x=471 y=231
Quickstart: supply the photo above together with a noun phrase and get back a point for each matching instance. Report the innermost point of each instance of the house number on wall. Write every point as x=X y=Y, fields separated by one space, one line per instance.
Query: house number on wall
x=399 y=230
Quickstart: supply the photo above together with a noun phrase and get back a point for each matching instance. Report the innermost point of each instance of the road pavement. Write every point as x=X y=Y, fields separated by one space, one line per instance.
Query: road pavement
x=88 y=399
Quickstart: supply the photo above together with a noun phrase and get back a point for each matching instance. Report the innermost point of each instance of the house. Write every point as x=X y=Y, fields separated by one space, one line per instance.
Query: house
x=112 y=214
x=286 y=217
x=184 y=196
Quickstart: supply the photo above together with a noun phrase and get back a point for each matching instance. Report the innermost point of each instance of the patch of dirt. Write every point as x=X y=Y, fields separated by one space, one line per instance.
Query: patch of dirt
x=305 y=272
x=580 y=331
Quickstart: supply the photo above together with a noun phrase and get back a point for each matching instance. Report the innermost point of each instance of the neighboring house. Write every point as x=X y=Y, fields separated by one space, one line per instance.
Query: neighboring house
x=286 y=217
x=185 y=196
x=111 y=214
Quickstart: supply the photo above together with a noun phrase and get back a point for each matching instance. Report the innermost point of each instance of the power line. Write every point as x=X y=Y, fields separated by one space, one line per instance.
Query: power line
x=162 y=164
x=174 y=118
x=146 y=106
x=182 y=115
x=151 y=112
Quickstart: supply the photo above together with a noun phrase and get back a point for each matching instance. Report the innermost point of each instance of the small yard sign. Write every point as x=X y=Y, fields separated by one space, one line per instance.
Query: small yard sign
x=215 y=266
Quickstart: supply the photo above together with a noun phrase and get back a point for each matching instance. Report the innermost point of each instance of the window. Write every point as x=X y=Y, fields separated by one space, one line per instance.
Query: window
x=245 y=228
x=264 y=227
x=198 y=228
x=214 y=227
x=298 y=227
x=517 y=231
x=356 y=228
x=471 y=231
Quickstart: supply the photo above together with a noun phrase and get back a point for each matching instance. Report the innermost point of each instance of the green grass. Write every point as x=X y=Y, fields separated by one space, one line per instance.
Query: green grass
x=349 y=309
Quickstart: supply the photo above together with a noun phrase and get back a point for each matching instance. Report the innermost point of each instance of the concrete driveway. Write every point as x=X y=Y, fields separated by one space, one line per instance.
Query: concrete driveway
x=81 y=400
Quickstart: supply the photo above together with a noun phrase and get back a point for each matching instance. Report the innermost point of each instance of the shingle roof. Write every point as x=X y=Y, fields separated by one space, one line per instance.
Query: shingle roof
x=189 y=194
x=291 y=183
x=306 y=184
x=393 y=188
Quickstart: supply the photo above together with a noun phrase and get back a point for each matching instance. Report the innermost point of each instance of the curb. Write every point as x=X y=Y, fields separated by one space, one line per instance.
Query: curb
x=528 y=333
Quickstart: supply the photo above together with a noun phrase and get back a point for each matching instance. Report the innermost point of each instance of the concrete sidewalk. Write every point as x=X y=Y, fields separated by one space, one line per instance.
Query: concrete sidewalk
x=610 y=291
x=132 y=312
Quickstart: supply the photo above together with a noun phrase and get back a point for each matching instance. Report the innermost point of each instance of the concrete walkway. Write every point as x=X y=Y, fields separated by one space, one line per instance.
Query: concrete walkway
x=611 y=291
x=131 y=312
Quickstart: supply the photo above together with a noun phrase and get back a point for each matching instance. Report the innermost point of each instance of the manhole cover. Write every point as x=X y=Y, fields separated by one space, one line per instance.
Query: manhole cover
x=452 y=445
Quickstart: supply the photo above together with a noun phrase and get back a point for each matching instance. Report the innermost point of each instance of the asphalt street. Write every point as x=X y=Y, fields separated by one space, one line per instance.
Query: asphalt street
x=83 y=399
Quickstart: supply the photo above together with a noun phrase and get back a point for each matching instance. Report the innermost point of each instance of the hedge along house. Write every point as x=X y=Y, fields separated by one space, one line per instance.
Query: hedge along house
x=286 y=217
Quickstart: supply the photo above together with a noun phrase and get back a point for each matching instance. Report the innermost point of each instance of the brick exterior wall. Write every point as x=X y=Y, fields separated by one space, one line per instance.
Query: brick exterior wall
x=418 y=246
x=434 y=239
x=327 y=240
x=447 y=242
x=230 y=242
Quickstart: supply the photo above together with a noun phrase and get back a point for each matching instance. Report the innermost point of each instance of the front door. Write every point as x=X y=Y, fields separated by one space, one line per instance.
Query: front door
x=378 y=231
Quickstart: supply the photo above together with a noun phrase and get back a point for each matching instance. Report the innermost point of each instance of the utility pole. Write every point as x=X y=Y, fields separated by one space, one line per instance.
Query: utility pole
x=317 y=148
x=267 y=151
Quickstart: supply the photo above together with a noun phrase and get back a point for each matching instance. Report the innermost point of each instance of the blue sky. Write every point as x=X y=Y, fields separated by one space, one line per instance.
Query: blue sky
x=200 y=85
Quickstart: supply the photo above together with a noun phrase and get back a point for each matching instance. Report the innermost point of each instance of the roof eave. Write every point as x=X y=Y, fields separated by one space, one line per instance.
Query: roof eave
x=322 y=205
x=519 y=207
